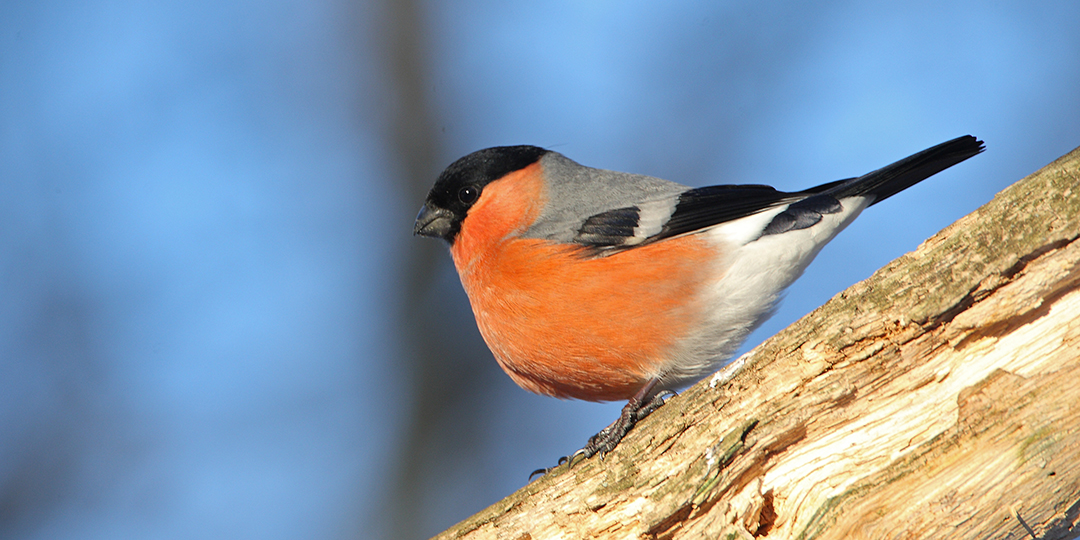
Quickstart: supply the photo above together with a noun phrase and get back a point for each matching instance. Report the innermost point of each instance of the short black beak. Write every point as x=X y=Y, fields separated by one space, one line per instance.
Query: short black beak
x=434 y=222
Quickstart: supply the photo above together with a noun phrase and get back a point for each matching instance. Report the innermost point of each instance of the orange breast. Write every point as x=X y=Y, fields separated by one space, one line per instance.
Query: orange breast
x=568 y=326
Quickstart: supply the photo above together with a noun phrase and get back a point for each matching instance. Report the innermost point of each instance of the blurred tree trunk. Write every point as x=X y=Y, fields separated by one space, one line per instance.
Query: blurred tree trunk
x=940 y=398
x=440 y=424
x=413 y=146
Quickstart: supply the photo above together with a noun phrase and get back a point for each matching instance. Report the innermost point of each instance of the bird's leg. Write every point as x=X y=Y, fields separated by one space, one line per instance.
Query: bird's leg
x=644 y=402
x=647 y=400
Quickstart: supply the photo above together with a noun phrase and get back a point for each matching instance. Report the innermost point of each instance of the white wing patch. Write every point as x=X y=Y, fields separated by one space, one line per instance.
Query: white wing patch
x=651 y=219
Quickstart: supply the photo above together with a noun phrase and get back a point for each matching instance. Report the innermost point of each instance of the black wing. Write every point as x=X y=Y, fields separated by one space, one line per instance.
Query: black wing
x=700 y=208
x=704 y=207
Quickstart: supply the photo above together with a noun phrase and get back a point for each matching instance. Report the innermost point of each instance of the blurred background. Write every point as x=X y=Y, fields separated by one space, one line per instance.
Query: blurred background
x=214 y=320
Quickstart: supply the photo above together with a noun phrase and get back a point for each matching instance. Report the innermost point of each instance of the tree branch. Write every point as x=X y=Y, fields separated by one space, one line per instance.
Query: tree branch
x=938 y=398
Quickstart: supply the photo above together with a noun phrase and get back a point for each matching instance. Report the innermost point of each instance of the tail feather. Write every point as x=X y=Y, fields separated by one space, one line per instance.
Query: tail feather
x=892 y=179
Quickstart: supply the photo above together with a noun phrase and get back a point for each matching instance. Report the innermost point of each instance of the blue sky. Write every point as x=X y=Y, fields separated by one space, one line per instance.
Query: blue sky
x=204 y=222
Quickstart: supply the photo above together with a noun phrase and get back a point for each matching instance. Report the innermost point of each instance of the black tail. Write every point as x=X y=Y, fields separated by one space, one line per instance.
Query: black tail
x=892 y=179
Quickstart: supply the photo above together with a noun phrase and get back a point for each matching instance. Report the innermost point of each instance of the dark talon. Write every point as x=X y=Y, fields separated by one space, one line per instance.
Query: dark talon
x=570 y=460
x=545 y=470
x=641 y=405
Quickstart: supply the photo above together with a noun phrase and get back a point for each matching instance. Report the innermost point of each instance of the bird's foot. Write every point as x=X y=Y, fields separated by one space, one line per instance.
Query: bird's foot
x=609 y=437
x=641 y=405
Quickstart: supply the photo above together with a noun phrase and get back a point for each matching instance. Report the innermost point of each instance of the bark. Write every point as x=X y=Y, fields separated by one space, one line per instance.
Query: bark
x=940 y=398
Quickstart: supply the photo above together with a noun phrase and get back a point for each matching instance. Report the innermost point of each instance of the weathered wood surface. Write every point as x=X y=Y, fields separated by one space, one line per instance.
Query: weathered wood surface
x=940 y=398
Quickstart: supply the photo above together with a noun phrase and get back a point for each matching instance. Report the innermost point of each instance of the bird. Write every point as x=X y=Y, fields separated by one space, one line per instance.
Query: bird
x=599 y=285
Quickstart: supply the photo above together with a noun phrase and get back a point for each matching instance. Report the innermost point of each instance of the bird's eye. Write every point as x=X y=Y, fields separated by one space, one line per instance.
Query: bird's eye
x=468 y=194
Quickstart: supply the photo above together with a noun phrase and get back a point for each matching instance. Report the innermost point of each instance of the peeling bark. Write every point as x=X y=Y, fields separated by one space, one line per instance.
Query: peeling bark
x=940 y=398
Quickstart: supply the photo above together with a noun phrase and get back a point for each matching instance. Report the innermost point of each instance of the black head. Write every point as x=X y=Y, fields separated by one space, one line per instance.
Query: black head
x=460 y=186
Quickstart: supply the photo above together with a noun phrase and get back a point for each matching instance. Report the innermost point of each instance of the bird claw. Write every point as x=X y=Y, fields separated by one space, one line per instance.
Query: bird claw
x=565 y=459
x=541 y=472
x=609 y=437
x=570 y=460
x=632 y=413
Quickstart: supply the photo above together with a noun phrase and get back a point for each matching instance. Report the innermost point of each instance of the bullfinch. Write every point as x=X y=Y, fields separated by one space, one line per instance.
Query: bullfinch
x=601 y=285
